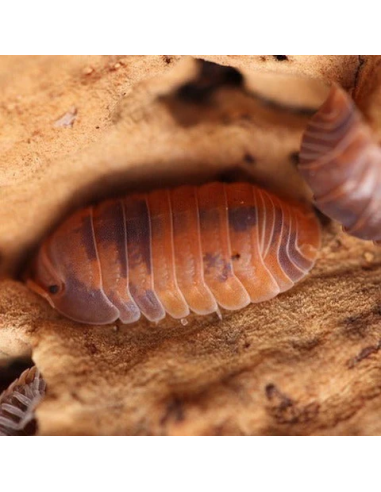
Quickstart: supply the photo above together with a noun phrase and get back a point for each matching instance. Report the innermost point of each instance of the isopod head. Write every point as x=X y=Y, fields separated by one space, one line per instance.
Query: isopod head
x=44 y=279
x=66 y=273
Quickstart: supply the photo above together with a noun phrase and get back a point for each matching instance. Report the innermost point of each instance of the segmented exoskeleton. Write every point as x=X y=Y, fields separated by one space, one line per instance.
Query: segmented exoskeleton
x=341 y=162
x=191 y=249
x=19 y=401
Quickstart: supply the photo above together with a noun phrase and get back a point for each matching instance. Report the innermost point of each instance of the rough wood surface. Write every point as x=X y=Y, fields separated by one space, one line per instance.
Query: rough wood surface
x=75 y=129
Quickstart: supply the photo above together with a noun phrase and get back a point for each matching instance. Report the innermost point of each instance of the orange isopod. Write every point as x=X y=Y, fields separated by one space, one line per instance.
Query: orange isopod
x=341 y=161
x=190 y=249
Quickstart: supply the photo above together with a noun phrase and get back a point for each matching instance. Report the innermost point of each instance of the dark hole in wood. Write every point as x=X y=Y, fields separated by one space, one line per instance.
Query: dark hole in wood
x=210 y=78
x=12 y=371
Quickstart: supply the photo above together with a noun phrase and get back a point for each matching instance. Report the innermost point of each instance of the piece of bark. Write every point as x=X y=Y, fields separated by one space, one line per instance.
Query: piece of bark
x=305 y=363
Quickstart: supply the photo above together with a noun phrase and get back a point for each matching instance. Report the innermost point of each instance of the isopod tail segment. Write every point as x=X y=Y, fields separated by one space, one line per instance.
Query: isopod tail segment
x=173 y=252
x=341 y=162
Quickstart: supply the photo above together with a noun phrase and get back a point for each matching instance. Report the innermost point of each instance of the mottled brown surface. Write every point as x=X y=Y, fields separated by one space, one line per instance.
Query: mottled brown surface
x=75 y=129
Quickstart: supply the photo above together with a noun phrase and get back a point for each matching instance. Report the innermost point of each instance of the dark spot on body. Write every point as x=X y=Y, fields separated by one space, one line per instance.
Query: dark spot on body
x=167 y=59
x=242 y=218
x=226 y=272
x=84 y=302
x=216 y=263
x=211 y=261
x=281 y=57
x=236 y=257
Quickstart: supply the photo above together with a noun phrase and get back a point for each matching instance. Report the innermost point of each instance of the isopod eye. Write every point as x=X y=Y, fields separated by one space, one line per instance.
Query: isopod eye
x=54 y=289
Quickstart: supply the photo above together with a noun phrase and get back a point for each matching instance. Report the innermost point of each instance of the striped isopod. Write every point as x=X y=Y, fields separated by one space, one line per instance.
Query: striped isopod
x=175 y=251
x=341 y=162
x=19 y=401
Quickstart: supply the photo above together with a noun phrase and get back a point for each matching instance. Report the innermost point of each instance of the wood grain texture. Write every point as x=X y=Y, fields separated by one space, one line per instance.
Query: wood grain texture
x=306 y=363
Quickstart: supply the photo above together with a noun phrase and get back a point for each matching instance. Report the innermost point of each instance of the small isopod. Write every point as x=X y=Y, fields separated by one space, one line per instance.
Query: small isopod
x=190 y=249
x=19 y=401
x=341 y=162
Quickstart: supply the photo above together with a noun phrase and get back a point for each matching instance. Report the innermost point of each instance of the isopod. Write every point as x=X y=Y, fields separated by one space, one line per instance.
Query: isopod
x=341 y=162
x=190 y=249
x=19 y=401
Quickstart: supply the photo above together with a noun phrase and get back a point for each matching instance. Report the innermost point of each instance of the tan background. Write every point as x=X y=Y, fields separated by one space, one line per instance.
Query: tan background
x=74 y=129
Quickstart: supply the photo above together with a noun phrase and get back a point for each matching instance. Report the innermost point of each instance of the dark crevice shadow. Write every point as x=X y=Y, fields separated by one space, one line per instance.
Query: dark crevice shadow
x=210 y=78
x=197 y=100
x=13 y=370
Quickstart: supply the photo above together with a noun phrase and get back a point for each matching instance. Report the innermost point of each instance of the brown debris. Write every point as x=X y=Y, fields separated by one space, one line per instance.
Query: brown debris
x=306 y=363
